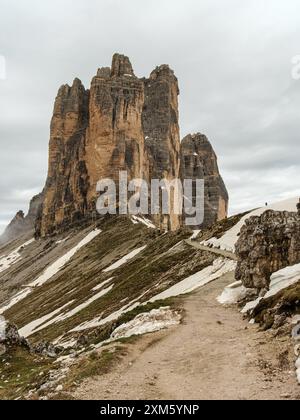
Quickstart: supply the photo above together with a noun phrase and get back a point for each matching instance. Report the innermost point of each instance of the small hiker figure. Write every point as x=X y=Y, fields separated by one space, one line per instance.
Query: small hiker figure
x=298 y=208
x=266 y=204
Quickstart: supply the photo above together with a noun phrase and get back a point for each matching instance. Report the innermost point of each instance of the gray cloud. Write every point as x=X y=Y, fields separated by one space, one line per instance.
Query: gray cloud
x=232 y=58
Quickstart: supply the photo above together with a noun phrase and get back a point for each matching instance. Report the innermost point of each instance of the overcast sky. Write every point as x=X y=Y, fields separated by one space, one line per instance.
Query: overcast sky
x=232 y=58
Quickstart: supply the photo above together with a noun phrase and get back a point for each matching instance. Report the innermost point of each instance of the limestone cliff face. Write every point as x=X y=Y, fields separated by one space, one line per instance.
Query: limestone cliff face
x=22 y=224
x=67 y=182
x=161 y=130
x=267 y=244
x=122 y=123
x=199 y=161
x=115 y=138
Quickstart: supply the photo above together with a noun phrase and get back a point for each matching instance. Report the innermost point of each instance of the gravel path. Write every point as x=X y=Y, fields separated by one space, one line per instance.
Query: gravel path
x=214 y=355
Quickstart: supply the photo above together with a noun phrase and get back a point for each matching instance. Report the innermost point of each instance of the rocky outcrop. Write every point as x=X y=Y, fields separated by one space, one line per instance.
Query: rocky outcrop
x=199 y=161
x=21 y=224
x=10 y=338
x=122 y=123
x=267 y=243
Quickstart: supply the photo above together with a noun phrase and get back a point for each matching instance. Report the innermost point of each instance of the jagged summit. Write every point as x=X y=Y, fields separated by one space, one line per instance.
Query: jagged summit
x=121 y=66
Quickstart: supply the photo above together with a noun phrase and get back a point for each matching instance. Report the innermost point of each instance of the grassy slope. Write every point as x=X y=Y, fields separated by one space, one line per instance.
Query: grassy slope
x=155 y=269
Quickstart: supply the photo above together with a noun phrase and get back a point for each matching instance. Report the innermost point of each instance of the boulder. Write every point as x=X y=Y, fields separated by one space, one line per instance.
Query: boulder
x=267 y=244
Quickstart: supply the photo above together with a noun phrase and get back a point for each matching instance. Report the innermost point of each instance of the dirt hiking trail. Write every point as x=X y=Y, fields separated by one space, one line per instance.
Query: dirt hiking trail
x=214 y=355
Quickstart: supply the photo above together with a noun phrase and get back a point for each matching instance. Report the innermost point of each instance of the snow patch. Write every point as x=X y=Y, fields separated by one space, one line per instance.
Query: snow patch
x=98 y=322
x=233 y=294
x=61 y=262
x=16 y=299
x=101 y=285
x=280 y=280
x=216 y=270
x=228 y=241
x=62 y=317
x=195 y=234
x=139 y=219
x=50 y=271
x=296 y=320
x=7 y=261
x=3 y=325
x=156 y=320
x=32 y=327
x=84 y=305
x=125 y=259
x=298 y=370
x=61 y=241
x=68 y=344
x=251 y=305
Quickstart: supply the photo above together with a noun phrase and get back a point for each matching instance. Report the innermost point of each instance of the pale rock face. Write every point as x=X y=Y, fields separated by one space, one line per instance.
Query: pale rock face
x=267 y=244
x=199 y=161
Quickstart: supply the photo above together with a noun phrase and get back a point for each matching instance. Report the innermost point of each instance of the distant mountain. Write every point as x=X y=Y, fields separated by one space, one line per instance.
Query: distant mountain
x=21 y=224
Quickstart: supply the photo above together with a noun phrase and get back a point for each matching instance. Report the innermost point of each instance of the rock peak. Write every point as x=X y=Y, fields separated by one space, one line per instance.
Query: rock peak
x=123 y=123
x=77 y=83
x=121 y=66
x=199 y=161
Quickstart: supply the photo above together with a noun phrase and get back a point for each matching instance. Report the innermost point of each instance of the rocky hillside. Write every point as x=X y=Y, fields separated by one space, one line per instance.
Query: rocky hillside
x=78 y=295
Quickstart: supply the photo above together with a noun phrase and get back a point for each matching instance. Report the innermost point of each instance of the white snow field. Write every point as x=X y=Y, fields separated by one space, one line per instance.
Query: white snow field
x=61 y=262
x=32 y=327
x=140 y=219
x=297 y=364
x=280 y=280
x=98 y=322
x=149 y=322
x=7 y=261
x=216 y=270
x=84 y=305
x=2 y=328
x=233 y=294
x=50 y=271
x=101 y=285
x=125 y=259
x=41 y=324
x=228 y=241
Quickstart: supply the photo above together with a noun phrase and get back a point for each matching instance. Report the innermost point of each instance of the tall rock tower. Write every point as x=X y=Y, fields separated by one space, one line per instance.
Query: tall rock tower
x=122 y=123
x=65 y=192
x=115 y=138
x=161 y=129
x=199 y=161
